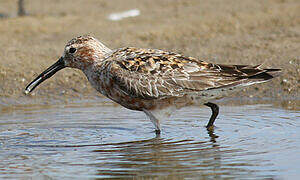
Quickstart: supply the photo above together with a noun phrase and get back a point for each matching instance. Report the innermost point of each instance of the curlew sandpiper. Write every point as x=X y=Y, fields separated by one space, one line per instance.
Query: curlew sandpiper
x=153 y=81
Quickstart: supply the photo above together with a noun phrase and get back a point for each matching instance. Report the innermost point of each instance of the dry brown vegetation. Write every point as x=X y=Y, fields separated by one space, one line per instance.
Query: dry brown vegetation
x=227 y=32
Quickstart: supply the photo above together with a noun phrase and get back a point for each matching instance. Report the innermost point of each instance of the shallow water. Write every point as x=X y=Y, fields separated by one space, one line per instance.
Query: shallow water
x=100 y=140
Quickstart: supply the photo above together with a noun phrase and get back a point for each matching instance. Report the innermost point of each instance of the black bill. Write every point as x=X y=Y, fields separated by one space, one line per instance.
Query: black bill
x=45 y=75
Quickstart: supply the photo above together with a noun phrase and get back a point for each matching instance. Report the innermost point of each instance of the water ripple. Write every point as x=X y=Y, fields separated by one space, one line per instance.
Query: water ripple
x=98 y=140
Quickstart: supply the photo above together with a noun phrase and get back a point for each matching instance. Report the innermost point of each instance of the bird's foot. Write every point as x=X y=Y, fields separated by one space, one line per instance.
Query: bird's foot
x=157 y=131
x=212 y=135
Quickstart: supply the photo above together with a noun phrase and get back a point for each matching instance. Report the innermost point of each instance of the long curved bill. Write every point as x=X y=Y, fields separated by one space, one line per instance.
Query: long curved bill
x=45 y=75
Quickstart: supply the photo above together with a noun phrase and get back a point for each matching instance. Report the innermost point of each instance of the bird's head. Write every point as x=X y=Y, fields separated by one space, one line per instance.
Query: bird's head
x=80 y=53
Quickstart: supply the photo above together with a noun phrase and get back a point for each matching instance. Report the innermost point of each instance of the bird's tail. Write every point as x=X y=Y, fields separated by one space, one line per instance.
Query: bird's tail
x=245 y=75
x=265 y=74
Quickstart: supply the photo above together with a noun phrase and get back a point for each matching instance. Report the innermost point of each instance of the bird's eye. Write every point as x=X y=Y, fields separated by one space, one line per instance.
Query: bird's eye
x=72 y=50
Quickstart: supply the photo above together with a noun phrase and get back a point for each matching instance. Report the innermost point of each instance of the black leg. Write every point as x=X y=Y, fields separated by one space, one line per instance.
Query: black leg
x=215 y=112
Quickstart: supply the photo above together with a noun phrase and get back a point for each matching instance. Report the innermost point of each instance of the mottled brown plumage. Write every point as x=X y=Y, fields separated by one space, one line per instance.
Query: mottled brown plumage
x=149 y=73
x=154 y=81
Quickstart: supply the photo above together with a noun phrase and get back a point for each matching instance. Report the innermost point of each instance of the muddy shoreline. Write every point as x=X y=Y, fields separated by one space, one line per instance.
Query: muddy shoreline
x=251 y=32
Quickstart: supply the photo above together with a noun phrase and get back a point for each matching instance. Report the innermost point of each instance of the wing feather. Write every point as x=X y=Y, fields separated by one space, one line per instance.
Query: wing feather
x=150 y=74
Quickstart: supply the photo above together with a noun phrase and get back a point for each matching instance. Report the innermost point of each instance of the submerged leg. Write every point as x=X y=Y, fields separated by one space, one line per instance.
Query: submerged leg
x=215 y=112
x=154 y=120
x=157 y=131
x=212 y=135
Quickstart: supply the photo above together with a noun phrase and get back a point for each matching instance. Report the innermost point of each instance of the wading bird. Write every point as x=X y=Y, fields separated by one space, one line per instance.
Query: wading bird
x=153 y=81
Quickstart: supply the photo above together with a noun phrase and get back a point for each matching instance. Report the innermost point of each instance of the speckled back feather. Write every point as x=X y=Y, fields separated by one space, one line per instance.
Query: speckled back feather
x=150 y=73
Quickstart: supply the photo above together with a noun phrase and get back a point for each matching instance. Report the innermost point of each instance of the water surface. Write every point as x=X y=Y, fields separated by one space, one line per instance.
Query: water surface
x=99 y=140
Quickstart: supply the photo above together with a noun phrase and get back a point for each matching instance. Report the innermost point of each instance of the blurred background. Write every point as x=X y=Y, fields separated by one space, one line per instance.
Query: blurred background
x=227 y=32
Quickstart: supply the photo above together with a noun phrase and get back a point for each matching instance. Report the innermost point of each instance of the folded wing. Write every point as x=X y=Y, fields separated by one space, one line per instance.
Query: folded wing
x=151 y=74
